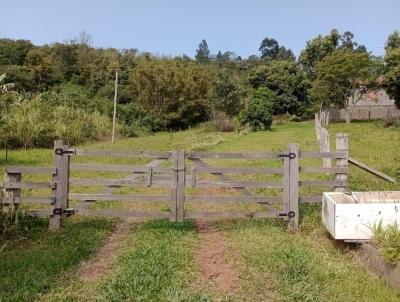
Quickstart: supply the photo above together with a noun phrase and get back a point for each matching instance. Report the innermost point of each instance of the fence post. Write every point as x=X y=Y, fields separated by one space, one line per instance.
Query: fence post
x=180 y=189
x=294 y=187
x=61 y=179
x=10 y=195
x=342 y=145
x=174 y=175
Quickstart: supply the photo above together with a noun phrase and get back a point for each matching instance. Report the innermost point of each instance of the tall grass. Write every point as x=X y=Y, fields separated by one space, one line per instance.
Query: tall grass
x=34 y=123
x=387 y=239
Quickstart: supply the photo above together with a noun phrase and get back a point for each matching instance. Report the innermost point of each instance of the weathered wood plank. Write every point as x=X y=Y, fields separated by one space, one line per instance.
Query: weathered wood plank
x=29 y=185
x=61 y=162
x=371 y=170
x=40 y=213
x=34 y=199
x=294 y=187
x=240 y=170
x=332 y=170
x=123 y=213
x=342 y=144
x=180 y=189
x=119 y=153
x=156 y=182
x=36 y=170
x=229 y=198
x=115 y=197
x=313 y=154
x=196 y=215
x=239 y=184
x=199 y=163
x=310 y=198
x=9 y=195
x=117 y=168
x=322 y=183
x=244 y=155
x=173 y=194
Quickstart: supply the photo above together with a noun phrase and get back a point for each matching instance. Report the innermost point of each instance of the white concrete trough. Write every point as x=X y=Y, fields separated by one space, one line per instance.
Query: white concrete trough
x=351 y=216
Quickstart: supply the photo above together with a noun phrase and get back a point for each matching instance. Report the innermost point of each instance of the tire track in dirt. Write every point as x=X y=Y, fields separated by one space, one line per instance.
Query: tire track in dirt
x=211 y=258
x=99 y=265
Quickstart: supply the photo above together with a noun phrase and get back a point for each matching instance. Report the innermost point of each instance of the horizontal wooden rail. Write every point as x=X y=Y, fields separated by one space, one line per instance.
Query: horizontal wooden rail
x=227 y=198
x=239 y=170
x=324 y=170
x=322 y=183
x=237 y=155
x=116 y=197
x=310 y=198
x=36 y=170
x=118 y=168
x=227 y=214
x=313 y=154
x=156 y=182
x=123 y=213
x=29 y=199
x=239 y=184
x=29 y=185
x=115 y=153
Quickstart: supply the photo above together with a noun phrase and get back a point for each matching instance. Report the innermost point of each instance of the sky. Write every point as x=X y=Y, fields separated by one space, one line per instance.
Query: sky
x=176 y=27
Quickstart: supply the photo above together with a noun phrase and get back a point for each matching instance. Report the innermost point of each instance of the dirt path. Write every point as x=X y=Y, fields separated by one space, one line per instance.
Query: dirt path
x=100 y=264
x=211 y=258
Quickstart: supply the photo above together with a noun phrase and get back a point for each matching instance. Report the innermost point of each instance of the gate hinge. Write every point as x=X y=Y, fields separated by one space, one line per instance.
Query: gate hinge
x=60 y=151
x=59 y=211
x=291 y=155
x=289 y=214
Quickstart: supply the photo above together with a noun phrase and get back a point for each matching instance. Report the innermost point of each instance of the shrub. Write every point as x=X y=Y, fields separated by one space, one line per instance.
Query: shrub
x=387 y=240
x=258 y=112
x=35 y=123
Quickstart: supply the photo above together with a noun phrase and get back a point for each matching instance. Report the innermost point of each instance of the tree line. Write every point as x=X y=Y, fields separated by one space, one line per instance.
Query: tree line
x=155 y=93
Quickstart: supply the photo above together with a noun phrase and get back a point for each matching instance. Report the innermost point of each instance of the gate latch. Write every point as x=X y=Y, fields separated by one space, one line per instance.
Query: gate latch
x=59 y=211
x=290 y=155
x=289 y=214
x=60 y=151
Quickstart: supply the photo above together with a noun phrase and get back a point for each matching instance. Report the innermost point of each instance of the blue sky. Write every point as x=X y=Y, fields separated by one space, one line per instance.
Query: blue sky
x=176 y=27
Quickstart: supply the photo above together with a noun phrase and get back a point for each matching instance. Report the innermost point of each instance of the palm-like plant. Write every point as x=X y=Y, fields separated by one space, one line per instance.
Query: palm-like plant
x=5 y=87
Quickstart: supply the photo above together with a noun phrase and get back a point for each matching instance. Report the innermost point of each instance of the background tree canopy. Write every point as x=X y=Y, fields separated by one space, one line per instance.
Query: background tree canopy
x=160 y=93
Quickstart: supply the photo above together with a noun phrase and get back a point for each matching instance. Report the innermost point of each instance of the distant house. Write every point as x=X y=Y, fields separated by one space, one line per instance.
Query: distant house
x=372 y=105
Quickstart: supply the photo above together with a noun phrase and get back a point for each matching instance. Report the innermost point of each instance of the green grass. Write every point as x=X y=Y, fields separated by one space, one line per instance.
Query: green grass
x=31 y=264
x=307 y=266
x=158 y=267
x=157 y=260
x=387 y=240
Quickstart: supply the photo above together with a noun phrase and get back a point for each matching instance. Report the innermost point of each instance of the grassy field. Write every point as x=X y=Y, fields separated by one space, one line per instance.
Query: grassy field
x=156 y=262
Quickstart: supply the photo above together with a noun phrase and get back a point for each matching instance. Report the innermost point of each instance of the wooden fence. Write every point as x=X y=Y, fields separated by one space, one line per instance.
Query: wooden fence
x=177 y=171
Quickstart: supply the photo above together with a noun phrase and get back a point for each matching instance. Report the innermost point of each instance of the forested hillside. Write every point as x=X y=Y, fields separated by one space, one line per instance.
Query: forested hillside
x=65 y=90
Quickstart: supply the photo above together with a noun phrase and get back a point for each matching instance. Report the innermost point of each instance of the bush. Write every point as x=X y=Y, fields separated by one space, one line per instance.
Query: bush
x=35 y=123
x=258 y=112
x=387 y=240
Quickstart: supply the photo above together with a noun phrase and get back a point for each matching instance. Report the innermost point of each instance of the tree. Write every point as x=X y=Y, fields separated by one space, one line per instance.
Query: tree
x=287 y=81
x=203 y=53
x=258 y=112
x=173 y=92
x=393 y=41
x=13 y=52
x=339 y=78
x=285 y=54
x=392 y=67
x=226 y=95
x=316 y=50
x=269 y=48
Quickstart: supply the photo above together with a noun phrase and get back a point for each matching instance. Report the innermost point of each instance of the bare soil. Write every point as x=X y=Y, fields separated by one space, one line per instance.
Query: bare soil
x=211 y=258
x=100 y=264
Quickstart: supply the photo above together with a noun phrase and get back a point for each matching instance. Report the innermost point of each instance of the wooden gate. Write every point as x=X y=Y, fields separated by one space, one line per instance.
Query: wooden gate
x=268 y=180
